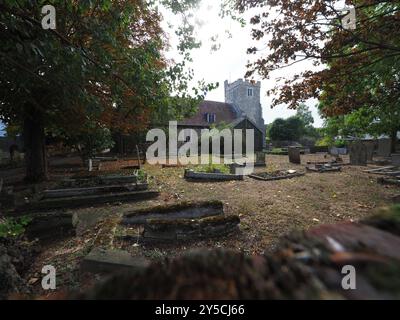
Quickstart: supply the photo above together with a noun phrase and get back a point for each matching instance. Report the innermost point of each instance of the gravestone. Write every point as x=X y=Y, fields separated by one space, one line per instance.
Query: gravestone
x=294 y=155
x=370 y=149
x=358 y=154
x=260 y=159
x=384 y=147
x=396 y=159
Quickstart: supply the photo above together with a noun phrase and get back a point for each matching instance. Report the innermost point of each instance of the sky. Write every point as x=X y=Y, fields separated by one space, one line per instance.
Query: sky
x=229 y=62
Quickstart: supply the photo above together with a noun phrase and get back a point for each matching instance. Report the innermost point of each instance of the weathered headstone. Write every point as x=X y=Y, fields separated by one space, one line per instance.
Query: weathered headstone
x=396 y=159
x=294 y=155
x=260 y=159
x=384 y=147
x=370 y=149
x=358 y=154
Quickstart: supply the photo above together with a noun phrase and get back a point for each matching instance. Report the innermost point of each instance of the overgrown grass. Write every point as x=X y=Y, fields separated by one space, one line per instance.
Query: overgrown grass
x=211 y=168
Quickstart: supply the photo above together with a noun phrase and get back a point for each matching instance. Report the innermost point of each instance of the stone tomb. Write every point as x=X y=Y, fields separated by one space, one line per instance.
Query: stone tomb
x=184 y=221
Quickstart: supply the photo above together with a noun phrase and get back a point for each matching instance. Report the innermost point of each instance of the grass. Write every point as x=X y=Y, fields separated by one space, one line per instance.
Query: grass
x=211 y=168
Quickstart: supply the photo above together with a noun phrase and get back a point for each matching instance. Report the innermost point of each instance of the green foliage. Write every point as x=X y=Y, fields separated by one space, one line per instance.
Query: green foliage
x=142 y=175
x=211 y=168
x=305 y=115
x=339 y=143
x=325 y=142
x=13 y=227
x=103 y=67
x=286 y=129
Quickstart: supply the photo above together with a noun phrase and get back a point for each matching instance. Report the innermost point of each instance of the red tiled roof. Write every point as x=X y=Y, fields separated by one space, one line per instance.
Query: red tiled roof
x=224 y=112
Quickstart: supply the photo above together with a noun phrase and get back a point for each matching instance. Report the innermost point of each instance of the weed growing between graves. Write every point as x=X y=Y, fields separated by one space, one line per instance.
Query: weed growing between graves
x=13 y=227
x=212 y=168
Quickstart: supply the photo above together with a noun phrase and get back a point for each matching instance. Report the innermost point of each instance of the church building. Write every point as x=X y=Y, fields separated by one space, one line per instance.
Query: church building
x=241 y=110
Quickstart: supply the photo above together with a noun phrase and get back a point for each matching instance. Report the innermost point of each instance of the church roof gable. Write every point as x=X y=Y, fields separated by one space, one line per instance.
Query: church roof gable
x=224 y=113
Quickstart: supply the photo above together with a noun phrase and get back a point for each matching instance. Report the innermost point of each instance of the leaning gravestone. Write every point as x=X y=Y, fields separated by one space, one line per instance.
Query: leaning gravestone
x=384 y=147
x=294 y=155
x=358 y=154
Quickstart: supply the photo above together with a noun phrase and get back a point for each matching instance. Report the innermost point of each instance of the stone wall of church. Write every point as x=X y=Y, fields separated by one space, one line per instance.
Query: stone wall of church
x=236 y=93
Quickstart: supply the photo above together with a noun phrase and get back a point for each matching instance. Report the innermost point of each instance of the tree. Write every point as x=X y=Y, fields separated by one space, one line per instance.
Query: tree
x=312 y=30
x=286 y=130
x=102 y=66
x=305 y=115
x=356 y=68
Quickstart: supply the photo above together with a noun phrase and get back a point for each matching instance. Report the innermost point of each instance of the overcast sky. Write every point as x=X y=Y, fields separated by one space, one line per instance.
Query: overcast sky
x=229 y=62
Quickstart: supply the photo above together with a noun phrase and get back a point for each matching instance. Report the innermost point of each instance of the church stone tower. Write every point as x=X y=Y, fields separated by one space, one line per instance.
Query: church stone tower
x=245 y=97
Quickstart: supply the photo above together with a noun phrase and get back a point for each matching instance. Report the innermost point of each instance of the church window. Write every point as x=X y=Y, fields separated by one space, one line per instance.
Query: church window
x=211 y=117
x=249 y=92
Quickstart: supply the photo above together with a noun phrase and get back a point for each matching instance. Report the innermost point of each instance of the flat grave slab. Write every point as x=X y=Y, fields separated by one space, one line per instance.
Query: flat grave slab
x=277 y=175
x=85 y=201
x=324 y=168
x=185 y=210
x=205 y=176
x=164 y=230
x=70 y=192
x=100 y=260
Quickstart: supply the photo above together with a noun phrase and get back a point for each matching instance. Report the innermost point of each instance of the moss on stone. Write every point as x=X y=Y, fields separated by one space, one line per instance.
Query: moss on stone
x=165 y=209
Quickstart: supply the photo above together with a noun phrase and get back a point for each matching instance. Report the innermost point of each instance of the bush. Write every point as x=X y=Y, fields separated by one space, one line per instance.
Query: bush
x=13 y=227
x=340 y=144
x=324 y=142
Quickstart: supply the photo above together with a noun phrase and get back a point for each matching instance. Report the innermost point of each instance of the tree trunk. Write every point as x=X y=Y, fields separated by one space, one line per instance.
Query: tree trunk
x=393 y=137
x=35 y=146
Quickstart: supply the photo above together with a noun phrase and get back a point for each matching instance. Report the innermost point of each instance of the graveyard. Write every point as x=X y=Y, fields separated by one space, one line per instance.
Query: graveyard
x=199 y=150
x=93 y=223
